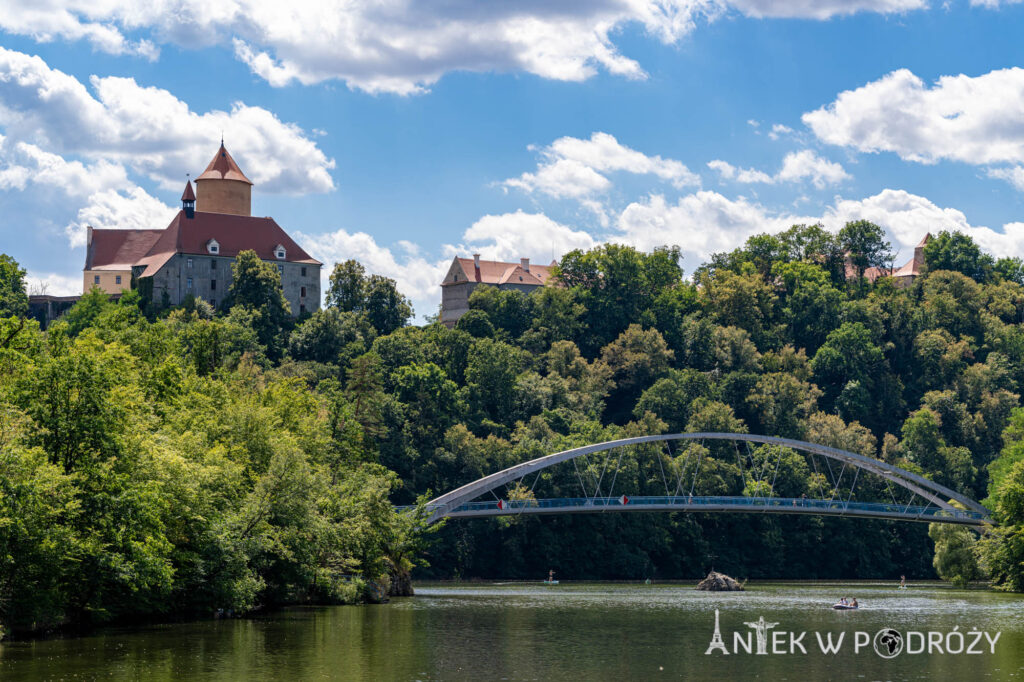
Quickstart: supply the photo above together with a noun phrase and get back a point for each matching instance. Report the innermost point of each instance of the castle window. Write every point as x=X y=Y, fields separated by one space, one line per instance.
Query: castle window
x=279 y=252
x=117 y=279
x=213 y=285
x=280 y=269
x=213 y=263
x=188 y=263
x=303 y=270
x=188 y=283
x=302 y=292
x=95 y=279
x=212 y=246
x=302 y=308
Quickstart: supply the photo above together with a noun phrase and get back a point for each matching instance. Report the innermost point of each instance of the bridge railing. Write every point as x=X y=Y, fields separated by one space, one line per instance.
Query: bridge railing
x=695 y=503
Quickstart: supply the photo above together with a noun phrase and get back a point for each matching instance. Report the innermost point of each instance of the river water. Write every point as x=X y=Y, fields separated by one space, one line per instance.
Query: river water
x=520 y=631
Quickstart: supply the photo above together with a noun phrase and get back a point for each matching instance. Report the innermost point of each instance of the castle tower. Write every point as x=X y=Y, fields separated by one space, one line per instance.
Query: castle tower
x=223 y=187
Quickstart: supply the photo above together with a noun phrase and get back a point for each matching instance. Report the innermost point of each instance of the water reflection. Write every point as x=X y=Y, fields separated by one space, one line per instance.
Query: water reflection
x=529 y=631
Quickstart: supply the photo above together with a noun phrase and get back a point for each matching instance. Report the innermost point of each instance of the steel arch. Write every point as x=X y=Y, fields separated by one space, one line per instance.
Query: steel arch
x=939 y=495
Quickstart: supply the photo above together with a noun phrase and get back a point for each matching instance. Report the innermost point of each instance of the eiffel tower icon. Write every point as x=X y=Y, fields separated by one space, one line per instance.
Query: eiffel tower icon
x=716 y=640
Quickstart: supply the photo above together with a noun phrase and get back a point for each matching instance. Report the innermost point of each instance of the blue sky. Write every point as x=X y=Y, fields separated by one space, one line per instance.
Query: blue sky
x=406 y=132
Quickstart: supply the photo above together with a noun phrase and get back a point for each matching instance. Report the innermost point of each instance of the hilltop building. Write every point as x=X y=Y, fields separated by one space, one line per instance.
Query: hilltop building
x=466 y=274
x=905 y=274
x=193 y=255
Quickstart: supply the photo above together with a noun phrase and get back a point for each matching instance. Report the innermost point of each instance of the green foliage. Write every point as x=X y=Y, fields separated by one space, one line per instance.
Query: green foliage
x=256 y=289
x=13 y=297
x=957 y=252
x=375 y=297
x=865 y=246
x=955 y=553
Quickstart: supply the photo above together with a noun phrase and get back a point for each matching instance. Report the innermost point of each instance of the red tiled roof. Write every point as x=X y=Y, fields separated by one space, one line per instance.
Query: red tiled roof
x=223 y=167
x=234 y=233
x=188 y=194
x=118 y=249
x=498 y=272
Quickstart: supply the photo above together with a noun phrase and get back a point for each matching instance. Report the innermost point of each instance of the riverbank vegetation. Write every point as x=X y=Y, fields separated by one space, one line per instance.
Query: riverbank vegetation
x=190 y=461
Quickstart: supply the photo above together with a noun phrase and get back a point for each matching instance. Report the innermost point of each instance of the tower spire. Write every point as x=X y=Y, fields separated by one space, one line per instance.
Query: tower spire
x=188 y=199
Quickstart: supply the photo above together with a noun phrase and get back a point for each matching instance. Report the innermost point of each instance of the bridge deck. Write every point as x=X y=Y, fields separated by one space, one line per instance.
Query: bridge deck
x=686 y=503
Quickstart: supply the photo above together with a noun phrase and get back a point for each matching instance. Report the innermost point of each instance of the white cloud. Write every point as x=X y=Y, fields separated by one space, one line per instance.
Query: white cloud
x=127 y=209
x=150 y=130
x=976 y=120
x=796 y=167
x=415 y=276
x=909 y=217
x=707 y=222
x=22 y=164
x=512 y=236
x=700 y=224
x=400 y=46
x=778 y=130
x=823 y=9
x=576 y=168
x=1013 y=175
x=52 y=283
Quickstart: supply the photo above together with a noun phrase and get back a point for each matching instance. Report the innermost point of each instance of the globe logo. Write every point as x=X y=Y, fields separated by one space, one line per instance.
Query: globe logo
x=888 y=643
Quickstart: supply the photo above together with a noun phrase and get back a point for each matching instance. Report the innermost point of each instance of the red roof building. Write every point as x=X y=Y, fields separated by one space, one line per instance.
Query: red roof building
x=193 y=254
x=465 y=274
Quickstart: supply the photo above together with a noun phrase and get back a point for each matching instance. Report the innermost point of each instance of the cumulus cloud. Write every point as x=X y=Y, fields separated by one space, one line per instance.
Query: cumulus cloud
x=571 y=167
x=796 y=167
x=401 y=46
x=130 y=209
x=512 y=236
x=908 y=217
x=509 y=237
x=700 y=224
x=976 y=120
x=53 y=283
x=1013 y=175
x=416 y=276
x=149 y=130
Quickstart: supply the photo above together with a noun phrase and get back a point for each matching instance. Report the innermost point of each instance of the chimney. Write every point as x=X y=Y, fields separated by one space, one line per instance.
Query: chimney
x=88 y=235
x=525 y=262
x=476 y=261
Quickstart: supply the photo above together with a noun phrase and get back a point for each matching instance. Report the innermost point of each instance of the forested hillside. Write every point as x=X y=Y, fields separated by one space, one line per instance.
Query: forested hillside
x=184 y=461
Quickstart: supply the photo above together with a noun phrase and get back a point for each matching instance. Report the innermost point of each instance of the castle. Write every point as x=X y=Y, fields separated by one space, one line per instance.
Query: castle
x=194 y=253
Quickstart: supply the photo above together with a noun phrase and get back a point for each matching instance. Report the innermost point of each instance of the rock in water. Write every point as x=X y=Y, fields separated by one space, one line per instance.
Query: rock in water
x=719 y=582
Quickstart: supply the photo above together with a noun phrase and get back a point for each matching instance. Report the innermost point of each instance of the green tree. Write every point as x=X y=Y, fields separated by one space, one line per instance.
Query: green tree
x=957 y=252
x=329 y=336
x=955 y=553
x=865 y=246
x=256 y=286
x=347 y=289
x=13 y=298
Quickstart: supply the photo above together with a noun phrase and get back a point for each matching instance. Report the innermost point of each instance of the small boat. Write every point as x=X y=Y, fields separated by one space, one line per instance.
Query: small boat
x=845 y=607
x=550 y=582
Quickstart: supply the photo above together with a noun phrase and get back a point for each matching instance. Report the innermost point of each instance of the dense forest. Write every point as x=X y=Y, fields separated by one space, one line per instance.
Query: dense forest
x=162 y=461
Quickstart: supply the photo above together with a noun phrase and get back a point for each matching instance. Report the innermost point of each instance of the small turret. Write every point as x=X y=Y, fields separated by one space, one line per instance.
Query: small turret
x=188 y=200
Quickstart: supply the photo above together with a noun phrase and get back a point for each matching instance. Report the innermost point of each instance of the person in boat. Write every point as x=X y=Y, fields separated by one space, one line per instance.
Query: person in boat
x=551 y=576
x=903 y=581
x=853 y=603
x=842 y=601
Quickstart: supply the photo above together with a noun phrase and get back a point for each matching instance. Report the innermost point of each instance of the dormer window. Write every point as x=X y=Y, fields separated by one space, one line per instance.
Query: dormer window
x=212 y=246
x=279 y=252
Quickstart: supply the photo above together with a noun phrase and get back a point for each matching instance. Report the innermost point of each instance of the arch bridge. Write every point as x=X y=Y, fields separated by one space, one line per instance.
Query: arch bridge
x=835 y=494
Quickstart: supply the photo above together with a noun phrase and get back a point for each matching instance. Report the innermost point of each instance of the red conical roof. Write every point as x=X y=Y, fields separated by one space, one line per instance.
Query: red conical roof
x=223 y=167
x=188 y=194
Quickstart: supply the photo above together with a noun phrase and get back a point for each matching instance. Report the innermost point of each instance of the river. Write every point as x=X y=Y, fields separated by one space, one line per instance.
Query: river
x=520 y=631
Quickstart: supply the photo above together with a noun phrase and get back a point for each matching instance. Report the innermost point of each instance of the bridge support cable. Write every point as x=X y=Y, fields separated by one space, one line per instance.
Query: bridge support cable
x=852 y=486
x=771 y=490
x=618 y=463
x=661 y=466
